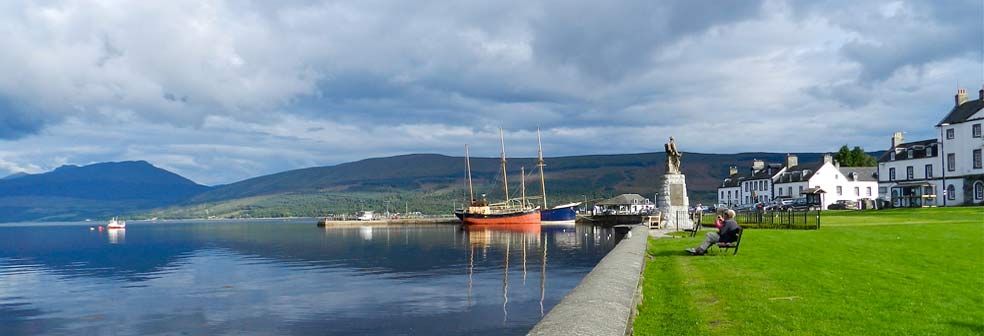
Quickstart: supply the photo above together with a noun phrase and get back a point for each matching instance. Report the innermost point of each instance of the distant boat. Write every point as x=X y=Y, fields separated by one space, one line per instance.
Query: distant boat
x=364 y=215
x=561 y=214
x=116 y=223
x=509 y=212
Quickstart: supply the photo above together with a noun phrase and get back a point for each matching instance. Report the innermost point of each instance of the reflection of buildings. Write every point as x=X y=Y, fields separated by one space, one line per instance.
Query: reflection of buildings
x=365 y=232
x=116 y=236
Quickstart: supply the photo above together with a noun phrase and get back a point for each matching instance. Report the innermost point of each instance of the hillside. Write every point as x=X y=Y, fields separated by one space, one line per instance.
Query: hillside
x=433 y=183
x=94 y=191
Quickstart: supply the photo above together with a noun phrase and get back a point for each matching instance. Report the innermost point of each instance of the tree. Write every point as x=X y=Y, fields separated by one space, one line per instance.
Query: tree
x=854 y=157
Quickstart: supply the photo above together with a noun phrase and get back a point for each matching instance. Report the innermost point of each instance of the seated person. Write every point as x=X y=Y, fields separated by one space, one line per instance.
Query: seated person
x=727 y=232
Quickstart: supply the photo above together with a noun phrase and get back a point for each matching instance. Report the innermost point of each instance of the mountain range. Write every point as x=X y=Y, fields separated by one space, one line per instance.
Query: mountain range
x=429 y=183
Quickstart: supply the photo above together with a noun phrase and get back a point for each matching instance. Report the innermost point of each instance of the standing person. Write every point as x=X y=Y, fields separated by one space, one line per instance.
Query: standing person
x=727 y=232
x=698 y=213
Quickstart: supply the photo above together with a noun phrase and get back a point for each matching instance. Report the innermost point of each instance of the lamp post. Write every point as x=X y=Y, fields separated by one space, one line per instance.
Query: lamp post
x=585 y=197
x=943 y=163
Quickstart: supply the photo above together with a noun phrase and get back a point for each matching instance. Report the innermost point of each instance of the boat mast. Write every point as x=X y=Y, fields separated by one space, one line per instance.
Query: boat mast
x=539 y=163
x=505 y=183
x=471 y=193
x=522 y=172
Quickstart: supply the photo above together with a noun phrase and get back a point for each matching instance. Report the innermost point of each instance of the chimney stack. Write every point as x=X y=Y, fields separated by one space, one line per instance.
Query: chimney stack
x=981 y=94
x=733 y=170
x=791 y=161
x=757 y=165
x=897 y=139
x=961 y=97
x=827 y=158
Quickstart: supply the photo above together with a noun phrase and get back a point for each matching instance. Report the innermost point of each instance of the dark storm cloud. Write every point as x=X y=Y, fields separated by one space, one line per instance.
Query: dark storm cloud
x=18 y=120
x=894 y=35
x=609 y=40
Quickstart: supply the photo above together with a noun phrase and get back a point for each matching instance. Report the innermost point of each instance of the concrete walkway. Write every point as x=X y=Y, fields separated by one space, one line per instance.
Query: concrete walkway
x=604 y=302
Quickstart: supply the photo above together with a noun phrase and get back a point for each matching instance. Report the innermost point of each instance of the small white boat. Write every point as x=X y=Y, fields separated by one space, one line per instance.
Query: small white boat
x=116 y=223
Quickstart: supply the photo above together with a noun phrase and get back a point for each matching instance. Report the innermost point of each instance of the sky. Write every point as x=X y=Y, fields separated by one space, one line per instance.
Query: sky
x=220 y=91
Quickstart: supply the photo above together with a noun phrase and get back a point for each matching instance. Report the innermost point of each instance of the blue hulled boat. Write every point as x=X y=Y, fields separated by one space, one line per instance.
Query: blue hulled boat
x=561 y=214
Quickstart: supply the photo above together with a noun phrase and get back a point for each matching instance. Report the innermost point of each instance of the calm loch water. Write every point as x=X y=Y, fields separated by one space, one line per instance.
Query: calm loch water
x=287 y=278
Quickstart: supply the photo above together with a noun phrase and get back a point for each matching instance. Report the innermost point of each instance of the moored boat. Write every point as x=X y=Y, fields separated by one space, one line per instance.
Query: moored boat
x=116 y=223
x=561 y=214
x=509 y=212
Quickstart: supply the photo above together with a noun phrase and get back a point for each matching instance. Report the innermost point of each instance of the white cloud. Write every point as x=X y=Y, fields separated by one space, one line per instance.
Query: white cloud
x=223 y=90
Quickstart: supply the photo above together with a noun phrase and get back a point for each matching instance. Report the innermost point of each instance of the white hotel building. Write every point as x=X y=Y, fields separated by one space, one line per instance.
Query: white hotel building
x=946 y=171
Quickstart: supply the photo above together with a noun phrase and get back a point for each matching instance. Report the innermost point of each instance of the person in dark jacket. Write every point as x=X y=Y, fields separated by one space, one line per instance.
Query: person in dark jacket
x=728 y=232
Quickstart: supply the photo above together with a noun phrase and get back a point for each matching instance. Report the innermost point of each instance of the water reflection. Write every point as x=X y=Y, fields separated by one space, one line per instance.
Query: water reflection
x=116 y=236
x=286 y=278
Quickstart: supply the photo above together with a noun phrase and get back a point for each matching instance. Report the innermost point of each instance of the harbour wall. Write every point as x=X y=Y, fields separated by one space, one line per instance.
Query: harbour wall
x=604 y=302
x=389 y=222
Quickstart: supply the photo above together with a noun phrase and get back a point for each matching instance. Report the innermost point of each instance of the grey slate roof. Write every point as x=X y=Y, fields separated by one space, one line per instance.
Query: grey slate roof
x=624 y=199
x=903 y=154
x=800 y=173
x=863 y=173
x=963 y=112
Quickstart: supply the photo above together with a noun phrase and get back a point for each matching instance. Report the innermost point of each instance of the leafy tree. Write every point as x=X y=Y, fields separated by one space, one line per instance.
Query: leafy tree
x=854 y=157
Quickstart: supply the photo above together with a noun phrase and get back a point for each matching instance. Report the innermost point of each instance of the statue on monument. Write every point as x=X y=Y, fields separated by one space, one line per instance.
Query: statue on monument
x=672 y=158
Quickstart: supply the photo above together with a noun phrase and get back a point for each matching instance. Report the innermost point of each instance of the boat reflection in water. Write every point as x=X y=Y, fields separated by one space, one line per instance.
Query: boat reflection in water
x=290 y=278
x=530 y=244
x=116 y=236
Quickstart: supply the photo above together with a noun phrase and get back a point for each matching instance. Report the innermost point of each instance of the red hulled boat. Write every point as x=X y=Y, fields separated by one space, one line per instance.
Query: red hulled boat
x=509 y=212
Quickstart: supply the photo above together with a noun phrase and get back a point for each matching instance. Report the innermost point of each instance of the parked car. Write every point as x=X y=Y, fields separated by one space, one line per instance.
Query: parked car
x=801 y=204
x=843 y=205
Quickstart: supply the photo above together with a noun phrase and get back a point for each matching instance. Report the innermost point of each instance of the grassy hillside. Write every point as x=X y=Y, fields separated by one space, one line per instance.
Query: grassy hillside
x=95 y=191
x=433 y=183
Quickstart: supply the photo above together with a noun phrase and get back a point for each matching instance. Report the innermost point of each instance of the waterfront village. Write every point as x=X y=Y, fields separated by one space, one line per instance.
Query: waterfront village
x=943 y=171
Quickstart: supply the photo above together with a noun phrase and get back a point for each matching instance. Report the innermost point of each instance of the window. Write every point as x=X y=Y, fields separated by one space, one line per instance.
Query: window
x=780 y=191
x=891 y=174
x=869 y=191
x=929 y=171
x=979 y=191
x=977 y=159
x=840 y=190
x=801 y=190
x=949 y=134
x=909 y=174
x=951 y=162
x=857 y=191
x=976 y=130
x=790 y=191
x=951 y=192
x=746 y=186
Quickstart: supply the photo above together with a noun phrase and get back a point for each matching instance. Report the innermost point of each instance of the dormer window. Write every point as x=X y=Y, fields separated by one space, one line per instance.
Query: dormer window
x=891 y=156
x=909 y=152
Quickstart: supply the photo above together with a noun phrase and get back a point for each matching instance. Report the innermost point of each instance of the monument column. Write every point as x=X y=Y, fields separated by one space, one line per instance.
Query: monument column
x=673 y=201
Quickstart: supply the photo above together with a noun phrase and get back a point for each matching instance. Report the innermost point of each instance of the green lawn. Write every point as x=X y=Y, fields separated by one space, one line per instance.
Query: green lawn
x=888 y=272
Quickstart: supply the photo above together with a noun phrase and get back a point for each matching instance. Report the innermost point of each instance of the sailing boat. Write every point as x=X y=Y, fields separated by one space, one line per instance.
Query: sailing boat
x=561 y=214
x=509 y=212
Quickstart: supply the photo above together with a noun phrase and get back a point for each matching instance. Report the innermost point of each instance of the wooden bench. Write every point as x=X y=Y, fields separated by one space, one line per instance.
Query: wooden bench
x=732 y=245
x=654 y=221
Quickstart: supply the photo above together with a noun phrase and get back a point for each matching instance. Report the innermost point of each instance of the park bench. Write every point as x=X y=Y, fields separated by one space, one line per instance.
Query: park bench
x=732 y=245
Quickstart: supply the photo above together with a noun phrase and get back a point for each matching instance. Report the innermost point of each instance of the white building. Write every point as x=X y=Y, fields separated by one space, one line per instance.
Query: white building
x=837 y=183
x=912 y=174
x=764 y=183
x=751 y=187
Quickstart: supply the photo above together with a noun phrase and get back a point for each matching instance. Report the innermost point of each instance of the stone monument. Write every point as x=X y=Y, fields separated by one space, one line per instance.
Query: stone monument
x=673 y=200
